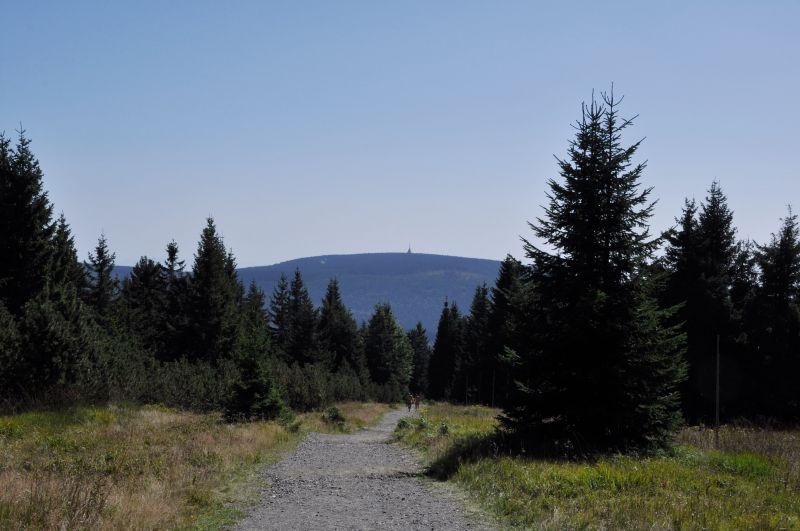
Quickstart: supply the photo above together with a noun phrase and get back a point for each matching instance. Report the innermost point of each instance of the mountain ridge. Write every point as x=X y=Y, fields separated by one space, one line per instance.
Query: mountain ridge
x=414 y=284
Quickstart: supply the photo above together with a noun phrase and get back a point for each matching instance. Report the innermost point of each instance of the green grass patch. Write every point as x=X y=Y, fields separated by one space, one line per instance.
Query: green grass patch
x=751 y=482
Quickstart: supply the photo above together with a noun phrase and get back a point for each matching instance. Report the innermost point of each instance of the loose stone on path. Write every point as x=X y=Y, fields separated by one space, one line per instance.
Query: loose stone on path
x=355 y=481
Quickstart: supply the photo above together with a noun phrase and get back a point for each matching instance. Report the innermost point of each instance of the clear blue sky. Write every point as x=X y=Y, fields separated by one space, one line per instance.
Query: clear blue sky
x=327 y=127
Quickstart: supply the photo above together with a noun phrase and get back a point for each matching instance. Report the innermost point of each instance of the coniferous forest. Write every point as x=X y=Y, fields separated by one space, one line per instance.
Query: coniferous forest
x=602 y=337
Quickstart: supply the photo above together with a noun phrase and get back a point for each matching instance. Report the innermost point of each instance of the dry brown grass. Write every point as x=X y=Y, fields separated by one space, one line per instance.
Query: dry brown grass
x=357 y=415
x=126 y=468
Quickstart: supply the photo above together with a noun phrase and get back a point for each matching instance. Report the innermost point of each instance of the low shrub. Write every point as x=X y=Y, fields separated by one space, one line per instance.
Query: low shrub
x=332 y=415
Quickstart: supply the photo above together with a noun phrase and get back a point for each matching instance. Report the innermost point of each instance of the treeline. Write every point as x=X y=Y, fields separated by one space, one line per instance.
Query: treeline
x=607 y=339
x=745 y=292
x=198 y=338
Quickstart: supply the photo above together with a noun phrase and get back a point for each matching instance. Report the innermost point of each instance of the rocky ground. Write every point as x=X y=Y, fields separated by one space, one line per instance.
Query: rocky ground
x=356 y=481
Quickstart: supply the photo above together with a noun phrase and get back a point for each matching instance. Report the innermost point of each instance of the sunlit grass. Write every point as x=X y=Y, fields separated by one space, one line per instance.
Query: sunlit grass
x=357 y=415
x=751 y=482
x=125 y=467
x=140 y=467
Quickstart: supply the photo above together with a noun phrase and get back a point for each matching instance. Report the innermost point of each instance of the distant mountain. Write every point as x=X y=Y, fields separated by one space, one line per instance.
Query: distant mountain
x=122 y=271
x=414 y=284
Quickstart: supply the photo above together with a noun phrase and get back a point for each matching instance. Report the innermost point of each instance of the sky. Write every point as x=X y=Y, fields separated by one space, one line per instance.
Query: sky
x=307 y=128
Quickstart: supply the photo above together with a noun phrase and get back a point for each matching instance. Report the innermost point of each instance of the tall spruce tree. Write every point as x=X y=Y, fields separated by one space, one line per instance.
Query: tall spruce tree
x=717 y=252
x=255 y=394
x=776 y=322
x=301 y=345
x=103 y=285
x=254 y=335
x=388 y=352
x=473 y=377
x=279 y=314
x=684 y=289
x=67 y=273
x=604 y=369
x=214 y=298
x=701 y=259
x=175 y=324
x=144 y=304
x=447 y=353
x=338 y=332
x=26 y=226
x=503 y=325
x=420 y=359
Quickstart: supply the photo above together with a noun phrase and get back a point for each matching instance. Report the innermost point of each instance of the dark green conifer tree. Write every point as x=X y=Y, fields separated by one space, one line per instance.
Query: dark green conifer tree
x=67 y=273
x=744 y=280
x=143 y=303
x=279 y=315
x=701 y=263
x=214 y=298
x=103 y=285
x=420 y=359
x=26 y=226
x=776 y=322
x=447 y=353
x=175 y=324
x=301 y=346
x=604 y=368
x=60 y=348
x=338 y=332
x=503 y=325
x=740 y=380
x=388 y=353
x=473 y=375
x=256 y=396
x=683 y=290
x=254 y=336
x=717 y=251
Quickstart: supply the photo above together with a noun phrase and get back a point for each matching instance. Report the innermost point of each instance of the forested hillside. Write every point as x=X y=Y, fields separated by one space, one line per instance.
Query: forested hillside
x=414 y=284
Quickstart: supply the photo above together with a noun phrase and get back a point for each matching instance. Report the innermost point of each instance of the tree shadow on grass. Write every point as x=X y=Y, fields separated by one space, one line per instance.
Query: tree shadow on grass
x=501 y=443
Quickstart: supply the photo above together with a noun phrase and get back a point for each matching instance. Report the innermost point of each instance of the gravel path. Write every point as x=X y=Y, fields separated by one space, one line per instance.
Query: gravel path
x=355 y=481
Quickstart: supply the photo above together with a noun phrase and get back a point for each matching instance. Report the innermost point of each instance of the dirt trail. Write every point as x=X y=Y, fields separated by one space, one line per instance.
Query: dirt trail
x=355 y=481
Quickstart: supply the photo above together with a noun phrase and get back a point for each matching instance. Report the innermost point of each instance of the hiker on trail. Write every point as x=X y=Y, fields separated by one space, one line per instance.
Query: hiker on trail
x=417 y=400
x=409 y=401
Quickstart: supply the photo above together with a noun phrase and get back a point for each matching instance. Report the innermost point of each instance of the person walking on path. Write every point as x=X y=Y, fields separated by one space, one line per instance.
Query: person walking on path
x=409 y=401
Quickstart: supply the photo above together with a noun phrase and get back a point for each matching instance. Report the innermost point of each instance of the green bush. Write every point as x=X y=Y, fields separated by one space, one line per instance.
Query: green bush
x=333 y=416
x=255 y=395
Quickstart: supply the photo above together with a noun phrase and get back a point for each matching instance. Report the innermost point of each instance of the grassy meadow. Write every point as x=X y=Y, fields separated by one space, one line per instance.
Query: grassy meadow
x=751 y=482
x=131 y=467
